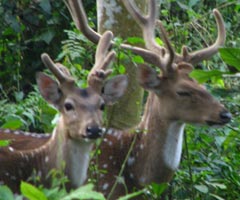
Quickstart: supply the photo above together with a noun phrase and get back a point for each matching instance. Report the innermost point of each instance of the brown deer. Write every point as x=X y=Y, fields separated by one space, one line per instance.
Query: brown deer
x=151 y=152
x=79 y=125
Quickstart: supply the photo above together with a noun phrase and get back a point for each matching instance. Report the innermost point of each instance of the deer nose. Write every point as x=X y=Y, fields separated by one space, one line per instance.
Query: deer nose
x=225 y=116
x=94 y=132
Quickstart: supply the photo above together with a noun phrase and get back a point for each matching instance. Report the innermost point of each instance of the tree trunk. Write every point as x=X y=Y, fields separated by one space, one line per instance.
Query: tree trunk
x=113 y=16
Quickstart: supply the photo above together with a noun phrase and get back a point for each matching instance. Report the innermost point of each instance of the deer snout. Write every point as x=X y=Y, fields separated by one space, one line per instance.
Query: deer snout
x=225 y=116
x=94 y=132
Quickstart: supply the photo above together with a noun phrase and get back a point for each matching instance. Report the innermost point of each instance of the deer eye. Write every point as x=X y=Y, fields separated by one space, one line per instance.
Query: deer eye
x=184 y=94
x=68 y=106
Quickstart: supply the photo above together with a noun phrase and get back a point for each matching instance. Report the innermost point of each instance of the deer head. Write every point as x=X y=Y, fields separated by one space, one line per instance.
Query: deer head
x=81 y=109
x=188 y=101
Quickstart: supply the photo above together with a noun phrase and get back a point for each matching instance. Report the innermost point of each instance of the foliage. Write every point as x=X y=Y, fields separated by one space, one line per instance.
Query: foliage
x=231 y=56
x=210 y=164
x=31 y=113
x=56 y=191
x=28 y=28
x=77 y=54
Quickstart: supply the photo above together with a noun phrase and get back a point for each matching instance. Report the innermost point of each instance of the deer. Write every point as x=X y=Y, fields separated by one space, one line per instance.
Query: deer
x=79 y=125
x=151 y=152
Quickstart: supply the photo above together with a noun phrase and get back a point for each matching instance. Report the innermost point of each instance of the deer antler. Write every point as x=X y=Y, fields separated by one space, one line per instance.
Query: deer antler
x=76 y=10
x=102 y=60
x=206 y=53
x=78 y=14
x=57 y=69
x=154 y=54
x=147 y=24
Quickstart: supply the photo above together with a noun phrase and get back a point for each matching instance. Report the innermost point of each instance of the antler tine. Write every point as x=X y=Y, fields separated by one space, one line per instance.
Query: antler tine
x=206 y=53
x=60 y=75
x=78 y=14
x=102 y=60
x=103 y=46
x=147 y=23
x=169 y=57
x=103 y=57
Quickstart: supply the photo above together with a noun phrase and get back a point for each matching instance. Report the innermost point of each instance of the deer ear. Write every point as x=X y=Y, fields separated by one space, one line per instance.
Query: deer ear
x=114 y=88
x=48 y=88
x=185 y=68
x=148 y=77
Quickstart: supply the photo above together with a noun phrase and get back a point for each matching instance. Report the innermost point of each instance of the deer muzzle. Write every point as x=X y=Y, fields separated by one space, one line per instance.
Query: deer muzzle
x=94 y=132
x=224 y=118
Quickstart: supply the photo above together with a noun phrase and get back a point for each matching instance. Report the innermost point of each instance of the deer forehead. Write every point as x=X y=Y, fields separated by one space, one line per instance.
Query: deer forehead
x=83 y=97
x=184 y=85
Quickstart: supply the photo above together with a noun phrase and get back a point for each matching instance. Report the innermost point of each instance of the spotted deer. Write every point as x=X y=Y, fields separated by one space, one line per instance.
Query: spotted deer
x=151 y=151
x=79 y=125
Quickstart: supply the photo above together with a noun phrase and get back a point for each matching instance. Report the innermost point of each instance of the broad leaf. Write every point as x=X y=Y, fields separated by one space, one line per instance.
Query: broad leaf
x=6 y=193
x=121 y=69
x=158 y=189
x=203 y=76
x=4 y=143
x=45 y=5
x=13 y=123
x=137 y=59
x=135 y=40
x=31 y=192
x=132 y=195
x=231 y=56
x=202 y=188
x=84 y=192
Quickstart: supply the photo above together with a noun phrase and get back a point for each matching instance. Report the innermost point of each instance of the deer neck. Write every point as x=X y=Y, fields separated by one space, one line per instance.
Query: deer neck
x=77 y=161
x=74 y=154
x=160 y=145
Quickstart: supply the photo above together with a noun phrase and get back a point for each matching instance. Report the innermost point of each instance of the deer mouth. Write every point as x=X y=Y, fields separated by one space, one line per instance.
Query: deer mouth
x=224 y=116
x=214 y=123
x=217 y=123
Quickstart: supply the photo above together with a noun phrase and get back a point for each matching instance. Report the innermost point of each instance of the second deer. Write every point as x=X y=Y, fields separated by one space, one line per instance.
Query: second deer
x=79 y=124
x=174 y=100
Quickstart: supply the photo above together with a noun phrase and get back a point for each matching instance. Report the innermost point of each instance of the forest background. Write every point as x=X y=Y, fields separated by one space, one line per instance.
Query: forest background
x=210 y=164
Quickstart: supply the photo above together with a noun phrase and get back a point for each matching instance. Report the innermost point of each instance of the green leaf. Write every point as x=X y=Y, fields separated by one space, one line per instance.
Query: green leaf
x=183 y=6
x=135 y=40
x=192 y=3
x=231 y=56
x=13 y=123
x=6 y=193
x=19 y=96
x=159 y=41
x=202 y=188
x=220 y=140
x=84 y=192
x=45 y=5
x=216 y=197
x=121 y=69
x=4 y=143
x=158 y=189
x=137 y=59
x=203 y=76
x=132 y=195
x=46 y=36
x=31 y=192
x=219 y=185
x=13 y=22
